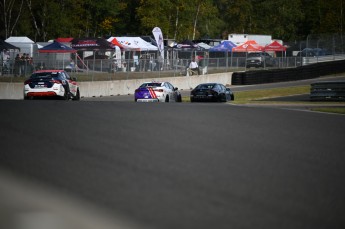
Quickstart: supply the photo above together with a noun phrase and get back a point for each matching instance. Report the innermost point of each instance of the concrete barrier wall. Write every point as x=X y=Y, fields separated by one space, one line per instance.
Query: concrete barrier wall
x=11 y=90
x=288 y=74
x=122 y=87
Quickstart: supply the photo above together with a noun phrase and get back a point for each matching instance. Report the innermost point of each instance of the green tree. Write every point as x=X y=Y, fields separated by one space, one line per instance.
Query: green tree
x=152 y=13
x=179 y=19
x=279 y=18
x=236 y=15
x=11 y=10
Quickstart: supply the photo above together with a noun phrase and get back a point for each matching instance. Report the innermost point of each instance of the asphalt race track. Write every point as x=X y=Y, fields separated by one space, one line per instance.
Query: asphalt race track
x=183 y=165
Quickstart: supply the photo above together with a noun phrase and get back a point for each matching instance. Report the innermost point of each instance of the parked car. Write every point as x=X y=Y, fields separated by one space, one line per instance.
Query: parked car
x=312 y=52
x=51 y=83
x=259 y=59
x=157 y=92
x=310 y=56
x=211 y=92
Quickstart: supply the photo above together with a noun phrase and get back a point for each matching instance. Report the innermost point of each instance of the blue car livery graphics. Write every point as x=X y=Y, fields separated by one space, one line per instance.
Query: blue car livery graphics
x=145 y=93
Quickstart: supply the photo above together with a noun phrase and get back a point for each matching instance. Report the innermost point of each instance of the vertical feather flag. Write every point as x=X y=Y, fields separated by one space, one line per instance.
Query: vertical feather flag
x=157 y=33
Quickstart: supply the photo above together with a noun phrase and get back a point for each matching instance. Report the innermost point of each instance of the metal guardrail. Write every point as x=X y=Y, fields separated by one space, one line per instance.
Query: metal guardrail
x=327 y=90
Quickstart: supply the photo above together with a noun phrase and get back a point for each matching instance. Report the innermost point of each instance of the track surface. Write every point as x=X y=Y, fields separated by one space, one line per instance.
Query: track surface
x=236 y=88
x=184 y=165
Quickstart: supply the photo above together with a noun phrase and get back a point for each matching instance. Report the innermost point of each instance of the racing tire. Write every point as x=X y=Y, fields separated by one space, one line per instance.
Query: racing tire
x=167 y=99
x=77 y=96
x=65 y=96
x=224 y=99
x=179 y=99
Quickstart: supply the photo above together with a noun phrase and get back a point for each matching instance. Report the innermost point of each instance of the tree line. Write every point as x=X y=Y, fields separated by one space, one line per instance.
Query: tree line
x=287 y=20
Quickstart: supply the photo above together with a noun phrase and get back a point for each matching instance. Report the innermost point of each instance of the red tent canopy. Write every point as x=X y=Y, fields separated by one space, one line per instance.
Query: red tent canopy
x=64 y=39
x=249 y=46
x=251 y=42
x=275 y=46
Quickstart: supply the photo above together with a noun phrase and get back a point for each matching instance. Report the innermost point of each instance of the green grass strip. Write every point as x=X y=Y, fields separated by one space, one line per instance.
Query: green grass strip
x=337 y=110
x=243 y=97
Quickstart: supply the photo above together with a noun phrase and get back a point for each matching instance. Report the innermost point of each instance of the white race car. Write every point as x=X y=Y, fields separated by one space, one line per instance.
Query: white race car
x=51 y=83
x=157 y=92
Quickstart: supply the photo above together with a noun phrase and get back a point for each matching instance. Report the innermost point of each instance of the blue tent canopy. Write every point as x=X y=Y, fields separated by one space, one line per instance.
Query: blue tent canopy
x=225 y=46
x=56 y=47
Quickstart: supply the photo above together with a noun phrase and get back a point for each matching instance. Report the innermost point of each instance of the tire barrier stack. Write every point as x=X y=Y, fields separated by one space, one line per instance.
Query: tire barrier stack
x=290 y=74
x=328 y=90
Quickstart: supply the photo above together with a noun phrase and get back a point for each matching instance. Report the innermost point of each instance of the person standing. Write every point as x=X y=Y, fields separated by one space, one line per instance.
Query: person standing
x=17 y=69
x=28 y=64
x=22 y=64
x=193 y=67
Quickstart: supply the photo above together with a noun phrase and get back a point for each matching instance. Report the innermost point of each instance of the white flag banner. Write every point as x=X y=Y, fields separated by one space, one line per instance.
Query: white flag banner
x=157 y=33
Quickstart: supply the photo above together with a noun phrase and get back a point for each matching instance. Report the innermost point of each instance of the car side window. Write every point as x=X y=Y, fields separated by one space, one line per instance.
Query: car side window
x=168 y=85
x=62 y=76
x=67 y=76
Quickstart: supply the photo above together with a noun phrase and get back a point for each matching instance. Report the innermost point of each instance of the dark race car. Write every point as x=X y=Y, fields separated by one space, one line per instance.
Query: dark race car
x=211 y=92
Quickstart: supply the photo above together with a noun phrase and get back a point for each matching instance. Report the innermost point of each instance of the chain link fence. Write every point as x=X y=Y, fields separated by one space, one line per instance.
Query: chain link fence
x=316 y=48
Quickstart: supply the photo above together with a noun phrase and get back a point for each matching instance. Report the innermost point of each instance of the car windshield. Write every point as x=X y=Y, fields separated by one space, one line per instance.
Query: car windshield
x=44 y=75
x=206 y=86
x=151 y=85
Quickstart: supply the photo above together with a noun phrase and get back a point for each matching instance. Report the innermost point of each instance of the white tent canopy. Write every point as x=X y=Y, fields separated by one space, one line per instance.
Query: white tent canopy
x=19 y=40
x=204 y=45
x=25 y=44
x=134 y=43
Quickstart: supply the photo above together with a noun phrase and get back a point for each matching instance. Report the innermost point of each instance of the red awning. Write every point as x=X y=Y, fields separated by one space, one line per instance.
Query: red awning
x=64 y=39
x=275 y=46
x=249 y=46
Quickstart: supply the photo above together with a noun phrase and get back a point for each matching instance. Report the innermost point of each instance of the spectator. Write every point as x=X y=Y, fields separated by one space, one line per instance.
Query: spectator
x=22 y=64
x=193 y=67
x=28 y=64
x=17 y=69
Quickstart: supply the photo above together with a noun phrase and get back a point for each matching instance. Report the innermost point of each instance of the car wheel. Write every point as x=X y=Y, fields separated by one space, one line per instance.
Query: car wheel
x=179 y=98
x=77 y=96
x=167 y=99
x=225 y=98
x=65 y=96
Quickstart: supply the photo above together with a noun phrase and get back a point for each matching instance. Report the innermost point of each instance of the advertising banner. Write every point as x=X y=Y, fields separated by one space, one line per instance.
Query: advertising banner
x=157 y=33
